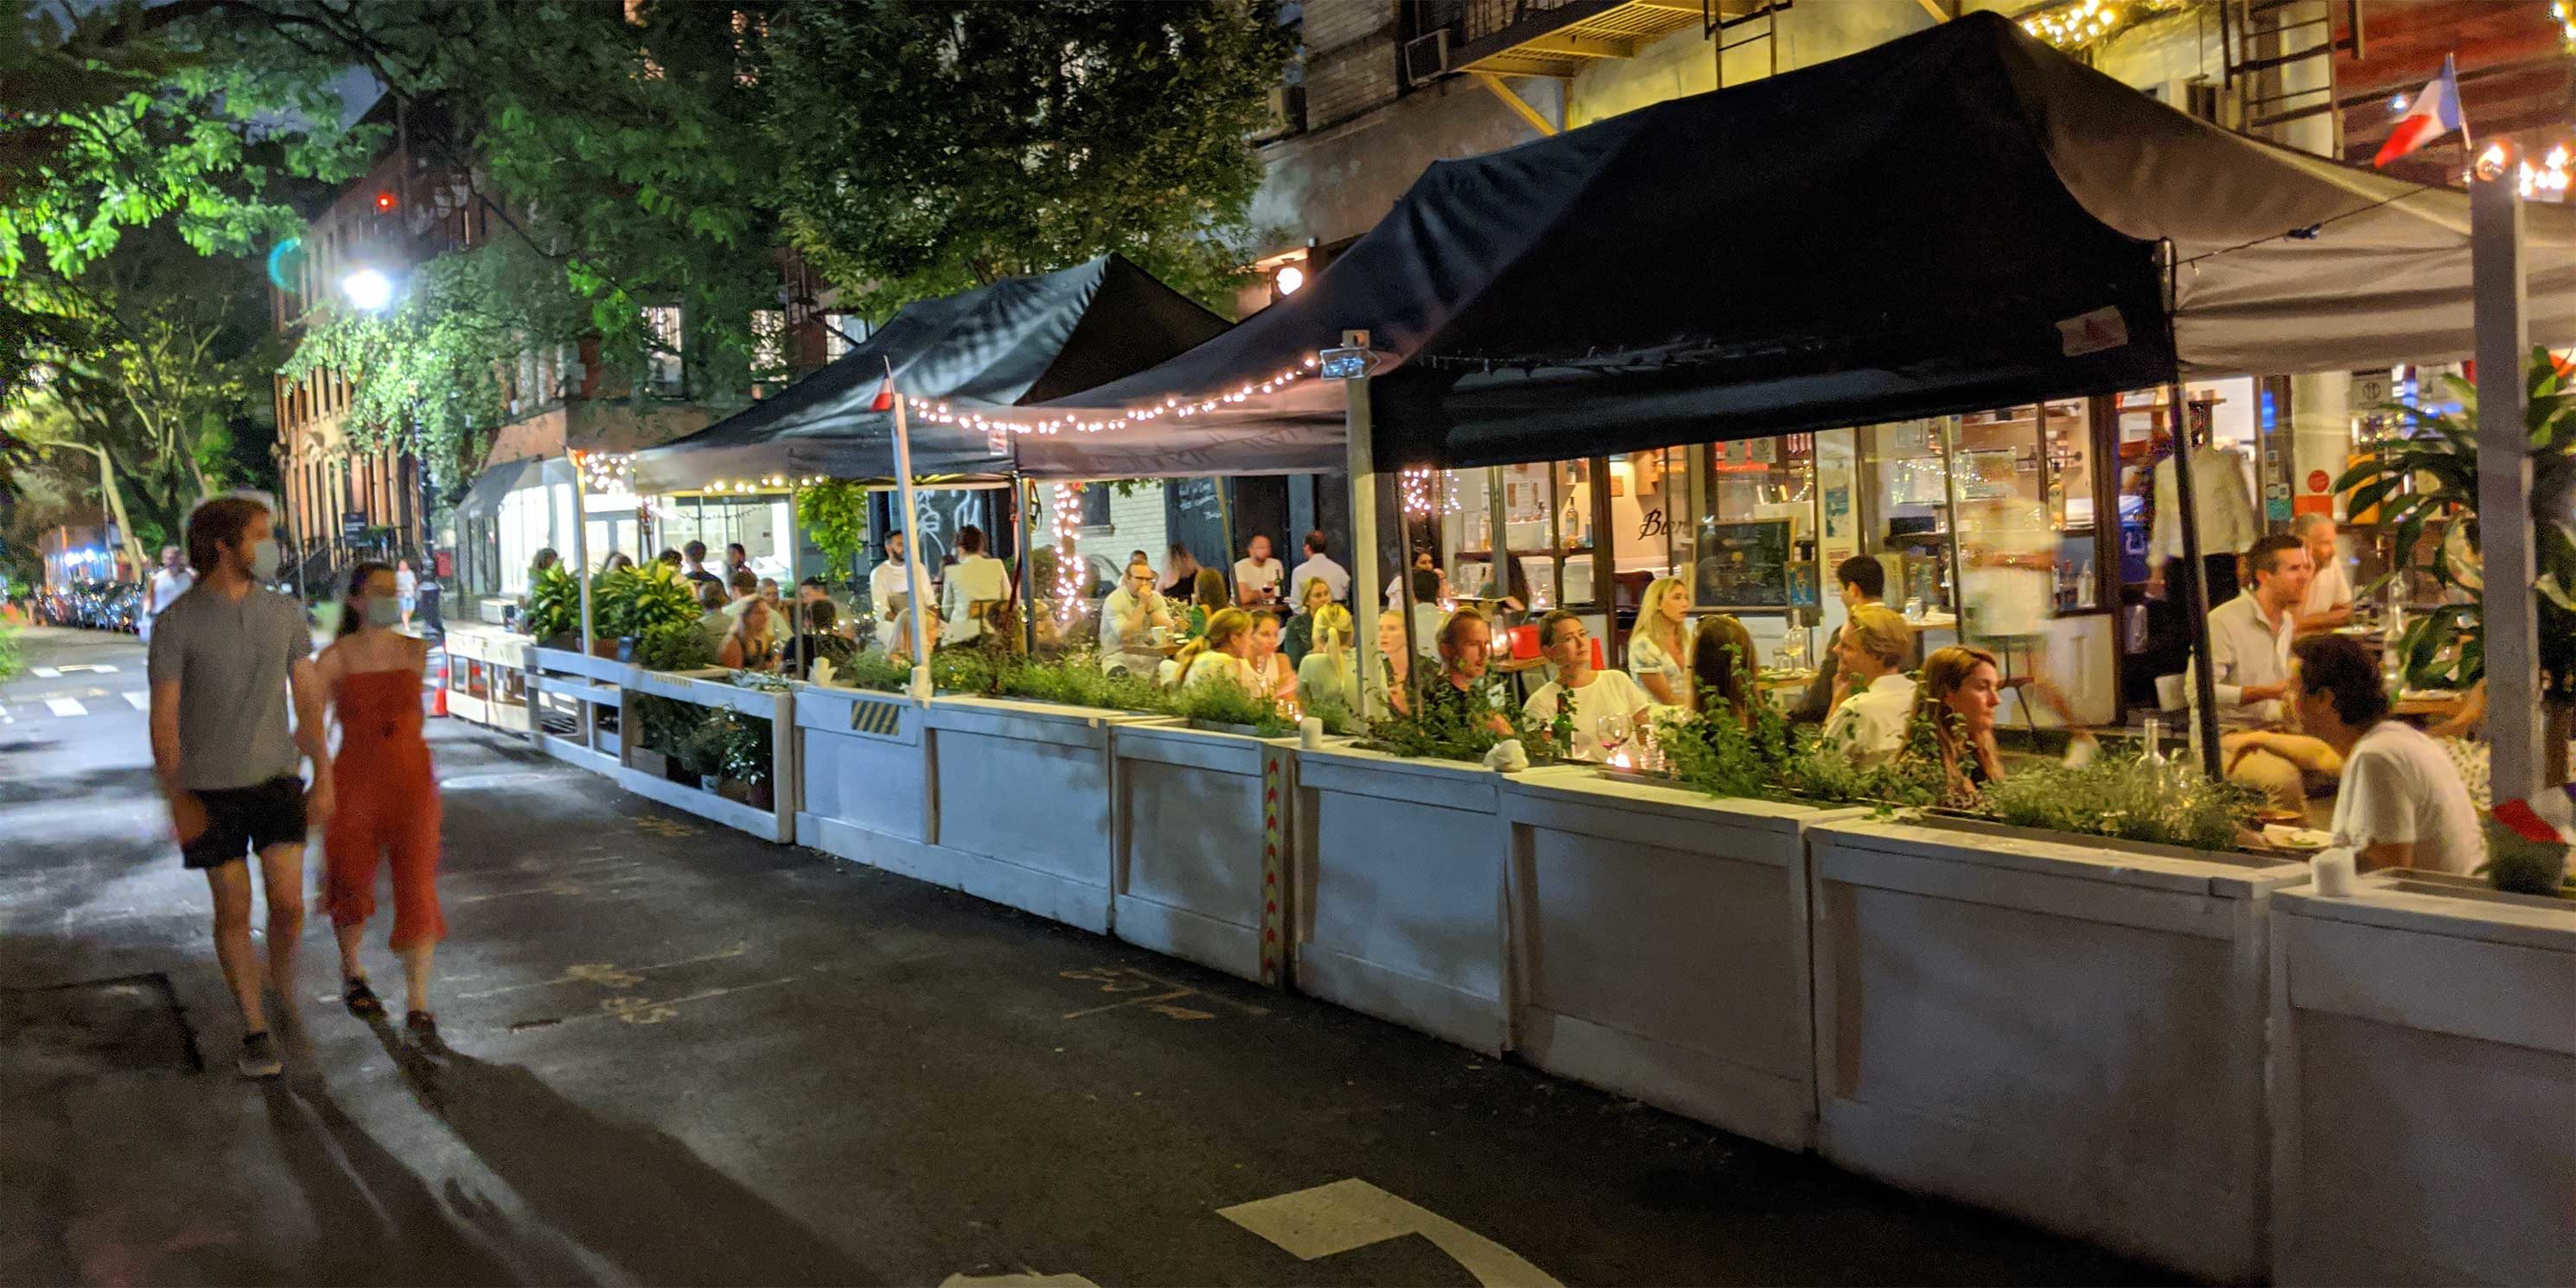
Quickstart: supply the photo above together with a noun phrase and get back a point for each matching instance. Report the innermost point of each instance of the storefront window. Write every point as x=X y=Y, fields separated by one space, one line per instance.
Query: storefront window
x=1752 y=545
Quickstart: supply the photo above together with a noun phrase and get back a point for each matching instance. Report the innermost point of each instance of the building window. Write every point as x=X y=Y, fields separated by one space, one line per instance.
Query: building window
x=664 y=373
x=842 y=332
x=768 y=345
x=1095 y=507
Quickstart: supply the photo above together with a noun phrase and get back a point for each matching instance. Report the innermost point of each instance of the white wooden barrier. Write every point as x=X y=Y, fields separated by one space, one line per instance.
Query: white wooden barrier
x=487 y=677
x=866 y=790
x=2065 y=1030
x=2424 y=1085
x=777 y=822
x=1021 y=800
x=1200 y=859
x=586 y=685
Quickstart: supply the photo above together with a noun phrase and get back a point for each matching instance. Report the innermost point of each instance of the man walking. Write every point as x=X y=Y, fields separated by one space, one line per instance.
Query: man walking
x=172 y=581
x=224 y=658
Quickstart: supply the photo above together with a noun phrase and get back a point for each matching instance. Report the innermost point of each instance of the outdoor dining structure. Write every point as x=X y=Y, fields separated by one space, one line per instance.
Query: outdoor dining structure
x=1697 y=319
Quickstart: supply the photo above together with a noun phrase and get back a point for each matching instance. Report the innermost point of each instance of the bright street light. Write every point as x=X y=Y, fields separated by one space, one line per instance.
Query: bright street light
x=1289 y=279
x=368 y=290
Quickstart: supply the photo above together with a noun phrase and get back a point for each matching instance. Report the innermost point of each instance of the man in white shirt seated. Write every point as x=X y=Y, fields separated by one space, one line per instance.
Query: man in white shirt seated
x=976 y=585
x=2328 y=603
x=2249 y=652
x=1320 y=567
x=890 y=584
x=1258 y=578
x=1128 y=619
x=1609 y=709
x=1872 y=697
x=2398 y=803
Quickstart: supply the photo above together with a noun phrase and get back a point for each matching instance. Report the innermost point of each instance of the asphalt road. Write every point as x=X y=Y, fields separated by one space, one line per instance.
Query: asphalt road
x=674 y=1054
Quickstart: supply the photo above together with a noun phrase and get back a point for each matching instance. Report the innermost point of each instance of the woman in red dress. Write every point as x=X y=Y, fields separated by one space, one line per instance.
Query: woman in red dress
x=389 y=798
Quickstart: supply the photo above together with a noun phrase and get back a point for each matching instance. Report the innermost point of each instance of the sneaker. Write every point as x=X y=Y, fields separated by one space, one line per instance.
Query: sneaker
x=258 y=1057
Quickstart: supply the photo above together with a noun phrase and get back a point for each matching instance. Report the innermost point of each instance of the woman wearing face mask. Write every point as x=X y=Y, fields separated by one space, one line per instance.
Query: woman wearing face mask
x=388 y=796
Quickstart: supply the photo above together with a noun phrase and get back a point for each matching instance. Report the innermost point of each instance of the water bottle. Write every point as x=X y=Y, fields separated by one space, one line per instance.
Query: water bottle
x=2155 y=753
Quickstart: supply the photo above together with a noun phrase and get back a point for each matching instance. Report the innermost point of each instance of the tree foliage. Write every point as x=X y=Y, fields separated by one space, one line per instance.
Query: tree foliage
x=978 y=141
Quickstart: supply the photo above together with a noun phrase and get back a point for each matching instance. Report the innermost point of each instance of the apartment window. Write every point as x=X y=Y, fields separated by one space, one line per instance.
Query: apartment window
x=768 y=344
x=842 y=332
x=664 y=373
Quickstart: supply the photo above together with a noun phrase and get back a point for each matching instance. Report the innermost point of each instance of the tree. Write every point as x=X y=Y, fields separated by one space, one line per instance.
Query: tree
x=971 y=142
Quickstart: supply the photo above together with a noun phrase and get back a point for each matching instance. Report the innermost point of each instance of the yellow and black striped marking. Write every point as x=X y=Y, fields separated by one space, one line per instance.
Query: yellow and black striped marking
x=876 y=719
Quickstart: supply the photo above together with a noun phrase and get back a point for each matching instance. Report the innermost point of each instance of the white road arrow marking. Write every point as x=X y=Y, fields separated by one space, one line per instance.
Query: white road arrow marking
x=1354 y=1214
x=140 y=700
x=66 y=707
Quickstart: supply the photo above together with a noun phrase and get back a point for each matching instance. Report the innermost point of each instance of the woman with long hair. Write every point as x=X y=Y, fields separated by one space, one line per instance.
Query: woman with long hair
x=1395 y=666
x=1270 y=671
x=1326 y=677
x=1960 y=690
x=387 y=795
x=1721 y=668
x=752 y=643
x=1298 y=638
x=1219 y=652
x=1658 y=652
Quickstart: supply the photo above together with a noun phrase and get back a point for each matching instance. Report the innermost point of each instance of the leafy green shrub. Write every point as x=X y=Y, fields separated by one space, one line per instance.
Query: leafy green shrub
x=1078 y=681
x=1459 y=730
x=554 y=604
x=675 y=646
x=835 y=514
x=702 y=750
x=746 y=747
x=662 y=724
x=2518 y=865
x=870 y=670
x=657 y=595
x=2128 y=797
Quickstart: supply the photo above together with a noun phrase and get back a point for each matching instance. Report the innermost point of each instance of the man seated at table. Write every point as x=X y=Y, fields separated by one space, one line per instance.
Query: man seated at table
x=2249 y=651
x=1873 y=697
x=1466 y=644
x=2398 y=801
x=1862 y=580
x=818 y=638
x=1608 y=708
x=1128 y=619
x=2328 y=603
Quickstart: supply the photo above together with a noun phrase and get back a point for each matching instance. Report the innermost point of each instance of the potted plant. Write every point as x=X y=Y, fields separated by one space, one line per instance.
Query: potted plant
x=702 y=752
x=2431 y=475
x=835 y=515
x=674 y=646
x=746 y=760
x=553 y=616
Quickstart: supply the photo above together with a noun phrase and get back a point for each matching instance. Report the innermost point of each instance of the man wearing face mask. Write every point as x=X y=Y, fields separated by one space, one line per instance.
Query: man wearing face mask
x=224 y=658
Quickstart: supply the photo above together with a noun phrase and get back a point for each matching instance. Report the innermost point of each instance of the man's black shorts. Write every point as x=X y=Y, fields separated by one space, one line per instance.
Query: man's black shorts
x=243 y=820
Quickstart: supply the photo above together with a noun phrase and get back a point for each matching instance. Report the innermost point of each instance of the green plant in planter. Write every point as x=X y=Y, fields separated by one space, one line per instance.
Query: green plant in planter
x=2129 y=797
x=868 y=670
x=746 y=749
x=1911 y=777
x=674 y=646
x=663 y=724
x=657 y=595
x=1223 y=701
x=836 y=514
x=1078 y=681
x=702 y=751
x=1460 y=730
x=612 y=598
x=554 y=604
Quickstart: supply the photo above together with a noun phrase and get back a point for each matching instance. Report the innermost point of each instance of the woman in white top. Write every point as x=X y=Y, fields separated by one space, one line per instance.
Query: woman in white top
x=1659 y=653
x=1220 y=653
x=976 y=583
x=1270 y=669
x=1327 y=677
x=1873 y=700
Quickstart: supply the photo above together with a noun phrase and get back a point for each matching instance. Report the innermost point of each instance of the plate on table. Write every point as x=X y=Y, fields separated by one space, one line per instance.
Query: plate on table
x=2296 y=838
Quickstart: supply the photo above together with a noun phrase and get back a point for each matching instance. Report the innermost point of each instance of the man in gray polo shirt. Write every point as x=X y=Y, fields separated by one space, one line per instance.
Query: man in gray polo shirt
x=224 y=657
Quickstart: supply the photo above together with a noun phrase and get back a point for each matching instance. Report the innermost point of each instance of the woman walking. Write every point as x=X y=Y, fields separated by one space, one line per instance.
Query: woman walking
x=388 y=802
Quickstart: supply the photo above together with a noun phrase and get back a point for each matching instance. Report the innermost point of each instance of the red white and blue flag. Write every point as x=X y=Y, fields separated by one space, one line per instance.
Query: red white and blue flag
x=2434 y=113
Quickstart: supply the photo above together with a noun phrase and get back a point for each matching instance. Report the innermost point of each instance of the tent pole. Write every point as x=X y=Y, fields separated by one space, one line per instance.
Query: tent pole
x=2504 y=480
x=581 y=545
x=916 y=580
x=1024 y=508
x=1359 y=467
x=2195 y=600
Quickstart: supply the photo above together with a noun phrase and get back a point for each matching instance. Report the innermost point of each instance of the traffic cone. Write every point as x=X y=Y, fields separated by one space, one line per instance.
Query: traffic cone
x=438 y=693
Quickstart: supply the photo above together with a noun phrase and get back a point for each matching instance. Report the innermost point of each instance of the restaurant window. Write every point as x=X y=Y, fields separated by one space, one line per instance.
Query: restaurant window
x=2025 y=486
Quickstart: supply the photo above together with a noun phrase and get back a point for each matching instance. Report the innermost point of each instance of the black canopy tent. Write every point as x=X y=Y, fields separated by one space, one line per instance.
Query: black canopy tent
x=1019 y=340
x=1958 y=220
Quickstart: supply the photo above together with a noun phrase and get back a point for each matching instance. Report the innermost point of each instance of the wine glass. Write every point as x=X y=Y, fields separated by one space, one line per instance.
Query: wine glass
x=1611 y=730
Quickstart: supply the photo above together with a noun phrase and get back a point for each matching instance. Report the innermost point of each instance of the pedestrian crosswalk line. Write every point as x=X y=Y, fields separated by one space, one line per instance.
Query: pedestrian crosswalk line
x=138 y=699
x=44 y=672
x=66 y=707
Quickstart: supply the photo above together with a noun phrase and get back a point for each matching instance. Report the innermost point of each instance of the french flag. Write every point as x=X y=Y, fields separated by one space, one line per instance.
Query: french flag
x=2434 y=113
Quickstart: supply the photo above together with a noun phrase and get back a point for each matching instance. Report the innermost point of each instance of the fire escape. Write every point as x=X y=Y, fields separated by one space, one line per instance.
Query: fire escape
x=1492 y=40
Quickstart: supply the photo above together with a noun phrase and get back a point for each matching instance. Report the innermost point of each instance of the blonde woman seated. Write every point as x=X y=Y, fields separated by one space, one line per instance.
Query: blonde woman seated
x=898 y=633
x=1326 y=677
x=1658 y=651
x=752 y=643
x=1960 y=690
x=1221 y=652
x=1272 y=676
x=1721 y=669
x=1395 y=666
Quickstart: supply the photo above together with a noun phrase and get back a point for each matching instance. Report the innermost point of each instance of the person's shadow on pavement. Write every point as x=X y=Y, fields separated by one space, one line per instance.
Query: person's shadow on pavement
x=629 y=1193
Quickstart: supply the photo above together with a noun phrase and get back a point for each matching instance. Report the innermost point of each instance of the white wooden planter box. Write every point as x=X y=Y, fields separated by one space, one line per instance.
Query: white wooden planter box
x=1399 y=897
x=866 y=790
x=1659 y=946
x=494 y=662
x=1201 y=845
x=1021 y=800
x=2064 y=1030
x=2424 y=1086
x=777 y=823
x=589 y=683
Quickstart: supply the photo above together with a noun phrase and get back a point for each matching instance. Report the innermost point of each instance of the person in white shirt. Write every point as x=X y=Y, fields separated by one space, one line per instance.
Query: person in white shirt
x=1220 y=655
x=1428 y=616
x=1659 y=651
x=2328 y=603
x=406 y=590
x=1258 y=578
x=1607 y=707
x=2398 y=801
x=890 y=584
x=1319 y=566
x=1128 y=620
x=169 y=582
x=976 y=584
x=2227 y=522
x=2249 y=636
x=1872 y=698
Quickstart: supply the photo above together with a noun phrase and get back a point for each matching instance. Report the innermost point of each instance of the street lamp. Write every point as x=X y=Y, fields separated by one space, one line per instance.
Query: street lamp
x=368 y=290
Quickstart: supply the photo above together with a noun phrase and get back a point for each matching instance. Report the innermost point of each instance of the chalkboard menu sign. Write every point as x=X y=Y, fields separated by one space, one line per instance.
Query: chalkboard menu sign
x=1193 y=516
x=1743 y=565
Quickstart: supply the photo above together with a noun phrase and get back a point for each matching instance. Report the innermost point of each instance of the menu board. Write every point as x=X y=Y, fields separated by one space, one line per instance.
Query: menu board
x=1743 y=565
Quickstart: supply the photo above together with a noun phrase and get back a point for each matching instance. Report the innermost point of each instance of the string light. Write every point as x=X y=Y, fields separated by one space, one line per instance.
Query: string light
x=1171 y=406
x=2083 y=24
x=1418 y=500
x=1064 y=523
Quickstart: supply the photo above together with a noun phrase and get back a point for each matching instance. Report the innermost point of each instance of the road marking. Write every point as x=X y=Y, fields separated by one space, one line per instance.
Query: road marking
x=1317 y=1223
x=1128 y=979
x=44 y=672
x=70 y=667
x=608 y=974
x=66 y=707
x=1016 y=1281
x=138 y=699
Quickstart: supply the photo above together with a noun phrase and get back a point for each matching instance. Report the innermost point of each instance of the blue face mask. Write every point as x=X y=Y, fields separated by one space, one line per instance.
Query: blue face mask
x=384 y=612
